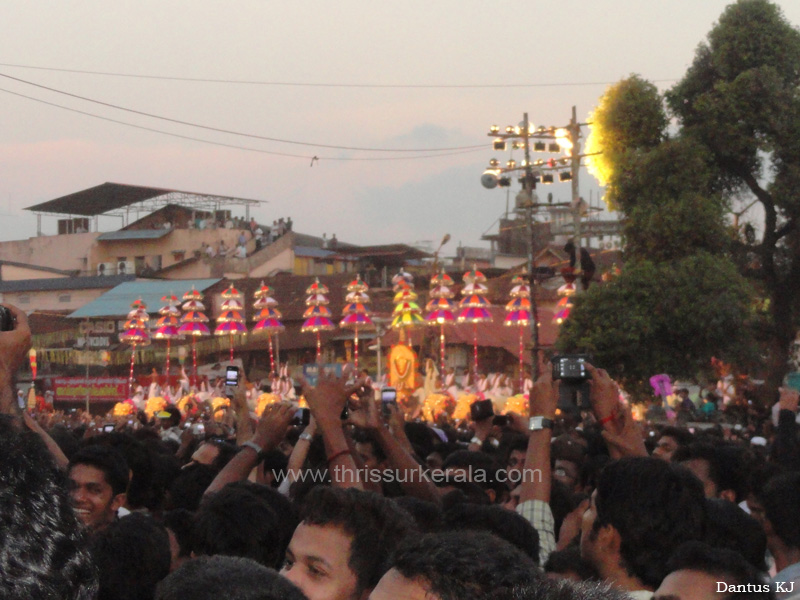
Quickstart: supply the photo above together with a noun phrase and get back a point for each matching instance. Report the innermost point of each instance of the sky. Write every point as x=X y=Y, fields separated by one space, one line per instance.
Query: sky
x=394 y=76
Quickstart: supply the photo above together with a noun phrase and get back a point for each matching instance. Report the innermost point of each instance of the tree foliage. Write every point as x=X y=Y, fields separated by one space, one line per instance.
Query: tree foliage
x=738 y=142
x=629 y=117
x=741 y=100
x=668 y=317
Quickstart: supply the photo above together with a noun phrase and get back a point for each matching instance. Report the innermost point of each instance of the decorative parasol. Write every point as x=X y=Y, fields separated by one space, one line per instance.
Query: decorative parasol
x=316 y=318
x=193 y=323
x=135 y=334
x=440 y=311
x=230 y=322
x=474 y=308
x=518 y=314
x=355 y=314
x=168 y=324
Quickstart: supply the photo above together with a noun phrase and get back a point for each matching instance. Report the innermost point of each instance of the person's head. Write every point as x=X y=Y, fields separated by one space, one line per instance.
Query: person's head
x=132 y=555
x=560 y=589
x=641 y=511
x=98 y=481
x=515 y=460
x=697 y=571
x=670 y=440
x=780 y=498
x=455 y=566
x=717 y=467
x=503 y=523
x=340 y=547
x=233 y=578
x=237 y=522
x=568 y=564
x=187 y=489
x=728 y=526
x=179 y=524
x=370 y=451
x=173 y=419
x=44 y=553
x=478 y=468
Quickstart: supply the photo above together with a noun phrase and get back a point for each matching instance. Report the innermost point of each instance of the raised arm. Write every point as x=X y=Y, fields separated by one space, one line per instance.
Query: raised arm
x=269 y=434
x=327 y=401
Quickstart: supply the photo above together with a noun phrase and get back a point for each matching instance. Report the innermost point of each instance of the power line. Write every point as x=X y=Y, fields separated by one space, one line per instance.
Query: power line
x=231 y=132
x=322 y=85
x=234 y=146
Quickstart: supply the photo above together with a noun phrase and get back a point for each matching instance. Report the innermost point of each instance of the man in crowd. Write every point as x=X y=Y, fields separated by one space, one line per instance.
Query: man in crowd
x=345 y=537
x=98 y=481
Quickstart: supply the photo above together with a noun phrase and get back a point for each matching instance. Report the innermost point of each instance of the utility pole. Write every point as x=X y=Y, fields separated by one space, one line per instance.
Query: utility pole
x=574 y=131
x=529 y=187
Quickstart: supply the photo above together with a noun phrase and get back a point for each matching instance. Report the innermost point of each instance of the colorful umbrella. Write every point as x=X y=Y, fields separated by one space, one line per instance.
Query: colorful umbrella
x=193 y=323
x=267 y=318
x=518 y=314
x=317 y=315
x=474 y=308
x=355 y=314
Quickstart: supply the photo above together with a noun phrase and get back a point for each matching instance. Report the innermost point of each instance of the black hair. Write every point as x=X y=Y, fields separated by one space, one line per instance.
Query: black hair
x=655 y=506
x=781 y=497
x=569 y=560
x=426 y=515
x=180 y=522
x=563 y=590
x=725 y=465
x=233 y=578
x=725 y=566
x=287 y=513
x=132 y=555
x=174 y=415
x=107 y=460
x=377 y=525
x=139 y=459
x=728 y=526
x=461 y=565
x=482 y=467
x=682 y=436
x=237 y=522
x=362 y=436
x=503 y=523
x=43 y=550
x=188 y=488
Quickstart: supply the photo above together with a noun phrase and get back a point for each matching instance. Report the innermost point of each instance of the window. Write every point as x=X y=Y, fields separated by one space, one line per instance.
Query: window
x=24 y=299
x=65 y=298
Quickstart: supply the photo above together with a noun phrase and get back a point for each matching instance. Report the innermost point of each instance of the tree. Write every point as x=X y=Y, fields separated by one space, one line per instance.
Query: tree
x=667 y=317
x=740 y=99
x=739 y=115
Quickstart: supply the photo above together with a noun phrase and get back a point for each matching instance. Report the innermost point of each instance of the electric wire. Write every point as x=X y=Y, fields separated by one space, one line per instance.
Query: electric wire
x=323 y=85
x=234 y=146
x=231 y=132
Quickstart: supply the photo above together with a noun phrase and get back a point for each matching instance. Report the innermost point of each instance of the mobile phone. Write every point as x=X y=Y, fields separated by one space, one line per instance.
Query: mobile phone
x=302 y=417
x=388 y=398
x=232 y=376
x=6 y=319
x=500 y=420
x=108 y=427
x=573 y=391
x=298 y=391
x=482 y=409
x=198 y=429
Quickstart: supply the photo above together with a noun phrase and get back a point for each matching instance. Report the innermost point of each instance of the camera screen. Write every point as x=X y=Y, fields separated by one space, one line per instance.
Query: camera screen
x=232 y=376
x=572 y=368
x=389 y=395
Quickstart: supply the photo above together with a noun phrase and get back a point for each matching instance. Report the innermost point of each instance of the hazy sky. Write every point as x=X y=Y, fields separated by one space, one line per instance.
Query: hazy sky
x=566 y=52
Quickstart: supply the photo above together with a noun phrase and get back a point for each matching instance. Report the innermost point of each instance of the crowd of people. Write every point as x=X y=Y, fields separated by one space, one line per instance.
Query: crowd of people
x=360 y=501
